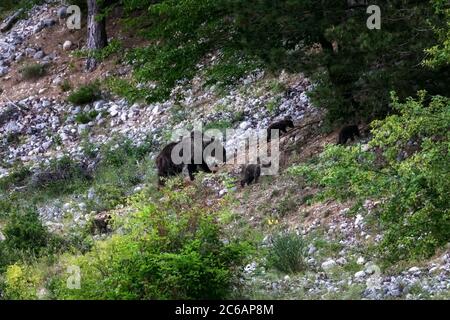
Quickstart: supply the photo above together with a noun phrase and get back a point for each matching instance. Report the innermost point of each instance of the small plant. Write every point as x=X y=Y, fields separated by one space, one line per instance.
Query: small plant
x=85 y=94
x=33 y=71
x=272 y=105
x=288 y=204
x=65 y=85
x=277 y=86
x=221 y=125
x=86 y=117
x=288 y=253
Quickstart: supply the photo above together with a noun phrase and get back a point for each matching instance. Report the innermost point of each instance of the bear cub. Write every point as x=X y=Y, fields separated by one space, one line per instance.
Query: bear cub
x=348 y=132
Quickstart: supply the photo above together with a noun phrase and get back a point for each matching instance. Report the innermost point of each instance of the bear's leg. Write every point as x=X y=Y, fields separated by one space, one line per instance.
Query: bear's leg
x=192 y=168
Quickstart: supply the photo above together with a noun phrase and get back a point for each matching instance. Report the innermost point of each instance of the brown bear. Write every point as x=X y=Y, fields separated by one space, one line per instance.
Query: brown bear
x=252 y=173
x=279 y=125
x=197 y=142
x=101 y=222
x=348 y=132
x=164 y=164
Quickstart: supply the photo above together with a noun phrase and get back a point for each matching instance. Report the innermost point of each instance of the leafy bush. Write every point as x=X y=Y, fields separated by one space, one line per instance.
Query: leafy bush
x=33 y=71
x=171 y=250
x=26 y=238
x=439 y=54
x=85 y=94
x=288 y=253
x=21 y=282
x=406 y=167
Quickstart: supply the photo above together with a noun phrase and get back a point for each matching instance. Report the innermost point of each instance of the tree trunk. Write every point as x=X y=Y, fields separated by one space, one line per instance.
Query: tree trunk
x=97 y=38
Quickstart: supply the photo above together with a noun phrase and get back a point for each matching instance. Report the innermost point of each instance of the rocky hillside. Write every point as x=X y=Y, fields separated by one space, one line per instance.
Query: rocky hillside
x=87 y=167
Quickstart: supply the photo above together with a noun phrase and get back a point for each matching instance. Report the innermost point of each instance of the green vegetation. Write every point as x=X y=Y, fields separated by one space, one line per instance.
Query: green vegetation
x=85 y=94
x=353 y=74
x=288 y=253
x=65 y=85
x=86 y=117
x=33 y=71
x=171 y=249
x=114 y=46
x=406 y=167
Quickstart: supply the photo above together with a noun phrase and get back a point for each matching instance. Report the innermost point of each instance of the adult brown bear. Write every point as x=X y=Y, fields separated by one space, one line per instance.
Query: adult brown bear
x=164 y=164
x=198 y=146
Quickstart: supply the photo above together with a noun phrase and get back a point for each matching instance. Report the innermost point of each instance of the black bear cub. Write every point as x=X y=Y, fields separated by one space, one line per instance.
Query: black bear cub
x=251 y=173
x=280 y=125
x=348 y=132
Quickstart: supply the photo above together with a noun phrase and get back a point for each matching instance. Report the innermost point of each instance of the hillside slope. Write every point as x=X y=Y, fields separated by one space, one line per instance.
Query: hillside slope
x=85 y=165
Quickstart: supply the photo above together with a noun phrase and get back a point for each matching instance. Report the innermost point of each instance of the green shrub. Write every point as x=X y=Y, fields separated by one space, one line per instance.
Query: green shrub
x=406 y=168
x=85 y=94
x=126 y=88
x=288 y=253
x=25 y=232
x=26 y=238
x=21 y=282
x=171 y=250
x=33 y=71
x=17 y=177
x=86 y=117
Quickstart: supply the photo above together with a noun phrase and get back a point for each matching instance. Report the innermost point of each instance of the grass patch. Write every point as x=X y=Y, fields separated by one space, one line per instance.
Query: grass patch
x=85 y=94
x=86 y=117
x=288 y=253
x=33 y=71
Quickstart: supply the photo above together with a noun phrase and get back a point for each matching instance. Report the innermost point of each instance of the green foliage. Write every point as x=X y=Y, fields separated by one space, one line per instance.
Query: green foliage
x=25 y=232
x=85 y=94
x=114 y=46
x=406 y=167
x=26 y=238
x=17 y=177
x=351 y=65
x=86 y=117
x=288 y=253
x=170 y=250
x=125 y=88
x=65 y=85
x=7 y=5
x=439 y=55
x=33 y=71
x=21 y=283
x=219 y=124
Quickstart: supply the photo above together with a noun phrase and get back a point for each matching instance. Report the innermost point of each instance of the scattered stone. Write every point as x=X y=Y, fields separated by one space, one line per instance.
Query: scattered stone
x=8 y=23
x=329 y=264
x=67 y=45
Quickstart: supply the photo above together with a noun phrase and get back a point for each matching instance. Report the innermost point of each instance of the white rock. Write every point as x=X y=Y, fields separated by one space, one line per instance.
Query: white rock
x=360 y=260
x=329 y=264
x=67 y=45
x=358 y=220
x=360 y=274
x=113 y=110
x=244 y=125
x=414 y=269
